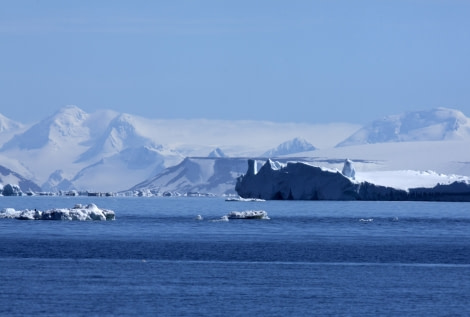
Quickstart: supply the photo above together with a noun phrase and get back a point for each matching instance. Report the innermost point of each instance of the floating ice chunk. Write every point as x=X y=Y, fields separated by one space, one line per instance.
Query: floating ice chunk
x=29 y=215
x=9 y=213
x=78 y=212
x=221 y=219
x=243 y=199
x=248 y=214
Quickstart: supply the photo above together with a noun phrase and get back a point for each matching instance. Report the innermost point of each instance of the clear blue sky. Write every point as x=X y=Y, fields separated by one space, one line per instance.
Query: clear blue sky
x=297 y=61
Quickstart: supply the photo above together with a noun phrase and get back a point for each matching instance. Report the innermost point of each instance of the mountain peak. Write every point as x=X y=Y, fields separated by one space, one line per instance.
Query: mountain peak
x=66 y=122
x=217 y=153
x=120 y=134
x=296 y=145
x=7 y=124
x=431 y=125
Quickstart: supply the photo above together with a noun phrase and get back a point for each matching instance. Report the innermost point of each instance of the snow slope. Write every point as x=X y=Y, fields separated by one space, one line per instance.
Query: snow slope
x=8 y=176
x=8 y=128
x=196 y=175
x=433 y=125
x=296 y=145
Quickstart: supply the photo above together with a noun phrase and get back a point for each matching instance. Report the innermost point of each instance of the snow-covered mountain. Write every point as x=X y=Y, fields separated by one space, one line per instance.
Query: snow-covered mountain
x=8 y=128
x=296 y=145
x=101 y=151
x=126 y=168
x=8 y=176
x=120 y=134
x=57 y=181
x=217 y=153
x=110 y=151
x=7 y=125
x=433 y=125
x=65 y=125
x=197 y=175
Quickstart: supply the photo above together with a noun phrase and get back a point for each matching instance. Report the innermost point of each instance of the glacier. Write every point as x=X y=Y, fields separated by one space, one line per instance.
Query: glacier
x=302 y=181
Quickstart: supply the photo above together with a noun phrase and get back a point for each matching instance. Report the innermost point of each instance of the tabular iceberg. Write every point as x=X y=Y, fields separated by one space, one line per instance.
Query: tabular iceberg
x=301 y=181
x=78 y=212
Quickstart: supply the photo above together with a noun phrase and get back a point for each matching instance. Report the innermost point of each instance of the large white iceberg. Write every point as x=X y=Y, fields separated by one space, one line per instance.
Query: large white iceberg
x=302 y=181
x=78 y=212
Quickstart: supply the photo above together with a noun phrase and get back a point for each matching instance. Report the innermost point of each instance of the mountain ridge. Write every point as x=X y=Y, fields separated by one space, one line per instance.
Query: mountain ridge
x=296 y=145
x=107 y=150
x=430 y=125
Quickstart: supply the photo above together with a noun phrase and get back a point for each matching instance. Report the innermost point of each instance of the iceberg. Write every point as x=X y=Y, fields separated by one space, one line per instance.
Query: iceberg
x=302 y=181
x=244 y=199
x=248 y=214
x=12 y=190
x=78 y=213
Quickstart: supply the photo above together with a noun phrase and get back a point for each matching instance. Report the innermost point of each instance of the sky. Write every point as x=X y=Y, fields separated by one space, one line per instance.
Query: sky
x=282 y=61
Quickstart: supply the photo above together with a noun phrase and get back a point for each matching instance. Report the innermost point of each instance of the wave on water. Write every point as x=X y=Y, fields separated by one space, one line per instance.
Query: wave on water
x=78 y=212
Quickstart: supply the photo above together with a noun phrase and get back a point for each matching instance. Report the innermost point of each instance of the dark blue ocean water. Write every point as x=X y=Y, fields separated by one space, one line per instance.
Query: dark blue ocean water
x=310 y=258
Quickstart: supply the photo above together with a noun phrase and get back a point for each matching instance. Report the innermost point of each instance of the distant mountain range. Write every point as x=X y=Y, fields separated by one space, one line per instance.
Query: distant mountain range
x=434 y=125
x=296 y=145
x=110 y=151
x=197 y=175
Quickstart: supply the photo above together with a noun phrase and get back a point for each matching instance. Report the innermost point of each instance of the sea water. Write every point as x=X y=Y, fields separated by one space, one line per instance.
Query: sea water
x=160 y=258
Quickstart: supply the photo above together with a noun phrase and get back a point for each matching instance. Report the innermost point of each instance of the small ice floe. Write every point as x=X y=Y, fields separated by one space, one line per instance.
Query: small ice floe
x=243 y=199
x=248 y=214
x=366 y=220
x=78 y=212
x=221 y=219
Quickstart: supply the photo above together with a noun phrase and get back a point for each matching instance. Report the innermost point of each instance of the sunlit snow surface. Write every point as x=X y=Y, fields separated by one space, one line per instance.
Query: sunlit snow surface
x=78 y=212
x=407 y=179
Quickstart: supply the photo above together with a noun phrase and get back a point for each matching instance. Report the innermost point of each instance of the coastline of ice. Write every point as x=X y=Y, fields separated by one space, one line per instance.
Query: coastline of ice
x=303 y=181
x=77 y=213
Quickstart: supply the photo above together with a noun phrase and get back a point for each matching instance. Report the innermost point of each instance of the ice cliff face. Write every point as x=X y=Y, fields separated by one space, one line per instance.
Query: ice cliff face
x=301 y=181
